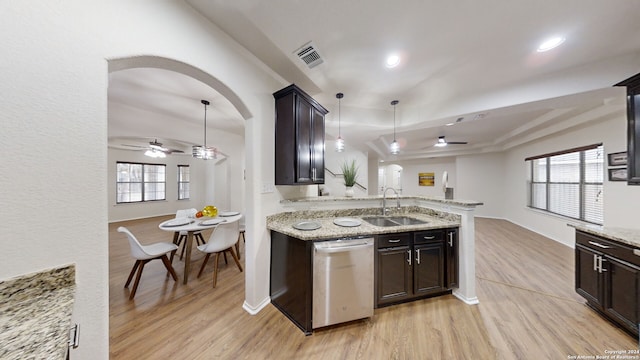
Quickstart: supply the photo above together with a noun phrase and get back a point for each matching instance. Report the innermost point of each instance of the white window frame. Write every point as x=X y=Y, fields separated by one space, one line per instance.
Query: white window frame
x=142 y=182
x=184 y=185
x=588 y=209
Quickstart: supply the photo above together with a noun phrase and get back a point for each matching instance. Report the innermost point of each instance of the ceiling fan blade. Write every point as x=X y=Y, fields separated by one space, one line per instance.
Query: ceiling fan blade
x=457 y=142
x=135 y=146
x=171 y=151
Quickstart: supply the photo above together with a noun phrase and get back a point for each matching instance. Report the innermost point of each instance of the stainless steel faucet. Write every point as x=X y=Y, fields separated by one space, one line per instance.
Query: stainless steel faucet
x=384 y=200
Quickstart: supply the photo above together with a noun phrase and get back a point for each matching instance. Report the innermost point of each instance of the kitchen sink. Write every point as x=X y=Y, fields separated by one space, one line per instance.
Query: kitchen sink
x=380 y=221
x=392 y=221
x=403 y=220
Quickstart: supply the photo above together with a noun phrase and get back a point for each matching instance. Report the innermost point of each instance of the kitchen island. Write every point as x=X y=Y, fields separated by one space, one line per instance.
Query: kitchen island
x=448 y=258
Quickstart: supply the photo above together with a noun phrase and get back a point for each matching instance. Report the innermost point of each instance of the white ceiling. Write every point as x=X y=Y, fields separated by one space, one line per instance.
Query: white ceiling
x=474 y=60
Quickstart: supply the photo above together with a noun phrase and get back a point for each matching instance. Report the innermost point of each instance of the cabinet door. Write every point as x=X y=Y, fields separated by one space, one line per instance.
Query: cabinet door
x=452 y=258
x=393 y=274
x=303 y=141
x=589 y=282
x=428 y=268
x=621 y=291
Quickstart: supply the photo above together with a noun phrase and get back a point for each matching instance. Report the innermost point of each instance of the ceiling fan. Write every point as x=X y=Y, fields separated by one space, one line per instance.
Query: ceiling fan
x=155 y=149
x=442 y=142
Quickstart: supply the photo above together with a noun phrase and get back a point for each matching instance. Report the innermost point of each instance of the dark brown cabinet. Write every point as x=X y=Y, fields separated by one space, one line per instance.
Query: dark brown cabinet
x=415 y=265
x=299 y=138
x=633 y=128
x=452 y=257
x=394 y=278
x=608 y=277
x=291 y=278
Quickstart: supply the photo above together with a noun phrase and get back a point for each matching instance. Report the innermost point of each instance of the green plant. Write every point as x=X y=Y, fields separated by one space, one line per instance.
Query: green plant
x=350 y=172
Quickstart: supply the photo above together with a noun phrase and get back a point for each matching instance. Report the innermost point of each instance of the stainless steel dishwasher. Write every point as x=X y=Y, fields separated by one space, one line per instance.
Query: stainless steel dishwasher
x=342 y=281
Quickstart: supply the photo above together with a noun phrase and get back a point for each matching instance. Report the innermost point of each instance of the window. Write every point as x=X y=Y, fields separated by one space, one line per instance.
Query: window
x=137 y=182
x=569 y=183
x=183 y=182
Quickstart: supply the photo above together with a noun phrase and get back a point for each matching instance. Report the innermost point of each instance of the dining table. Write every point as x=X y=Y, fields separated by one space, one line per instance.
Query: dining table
x=193 y=225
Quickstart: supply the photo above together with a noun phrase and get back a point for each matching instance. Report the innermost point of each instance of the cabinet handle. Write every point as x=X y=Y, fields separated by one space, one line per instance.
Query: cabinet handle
x=450 y=239
x=394 y=240
x=600 y=265
x=418 y=256
x=313 y=174
x=409 y=257
x=429 y=237
x=599 y=245
x=595 y=262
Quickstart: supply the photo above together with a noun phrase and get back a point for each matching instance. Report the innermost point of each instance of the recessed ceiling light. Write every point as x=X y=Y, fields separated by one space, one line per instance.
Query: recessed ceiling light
x=450 y=124
x=550 y=43
x=392 y=61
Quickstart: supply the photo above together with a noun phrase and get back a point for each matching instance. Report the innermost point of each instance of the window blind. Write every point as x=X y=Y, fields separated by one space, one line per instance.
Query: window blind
x=569 y=183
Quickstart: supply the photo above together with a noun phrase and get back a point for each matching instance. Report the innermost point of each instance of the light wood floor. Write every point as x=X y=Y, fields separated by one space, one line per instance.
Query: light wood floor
x=528 y=310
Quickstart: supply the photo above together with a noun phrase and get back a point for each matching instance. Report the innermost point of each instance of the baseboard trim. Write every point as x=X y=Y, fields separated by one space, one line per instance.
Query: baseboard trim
x=255 y=310
x=469 y=301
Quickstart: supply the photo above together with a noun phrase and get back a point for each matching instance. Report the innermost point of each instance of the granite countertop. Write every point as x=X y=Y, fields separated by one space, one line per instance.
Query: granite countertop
x=283 y=222
x=623 y=235
x=35 y=314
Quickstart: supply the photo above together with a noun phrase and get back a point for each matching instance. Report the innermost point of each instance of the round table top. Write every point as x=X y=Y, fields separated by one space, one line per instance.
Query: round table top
x=189 y=224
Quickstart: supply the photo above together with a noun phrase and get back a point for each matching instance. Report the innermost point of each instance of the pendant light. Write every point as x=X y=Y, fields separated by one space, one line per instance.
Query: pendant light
x=203 y=151
x=394 y=147
x=339 y=140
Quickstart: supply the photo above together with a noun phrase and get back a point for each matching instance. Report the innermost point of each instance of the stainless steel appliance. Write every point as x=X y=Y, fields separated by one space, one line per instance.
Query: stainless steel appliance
x=342 y=281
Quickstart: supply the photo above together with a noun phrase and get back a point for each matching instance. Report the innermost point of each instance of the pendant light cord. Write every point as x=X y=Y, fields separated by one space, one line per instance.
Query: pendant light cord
x=394 y=122
x=394 y=103
x=339 y=117
x=205 y=103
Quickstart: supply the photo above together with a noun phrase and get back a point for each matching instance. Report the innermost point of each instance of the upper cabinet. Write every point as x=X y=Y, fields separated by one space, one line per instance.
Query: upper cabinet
x=633 y=128
x=299 y=138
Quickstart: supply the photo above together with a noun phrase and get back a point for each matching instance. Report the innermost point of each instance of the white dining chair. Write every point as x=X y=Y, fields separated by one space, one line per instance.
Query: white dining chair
x=183 y=235
x=222 y=240
x=145 y=253
x=241 y=234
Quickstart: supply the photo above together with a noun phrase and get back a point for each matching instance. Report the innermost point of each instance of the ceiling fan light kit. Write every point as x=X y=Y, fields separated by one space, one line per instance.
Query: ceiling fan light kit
x=203 y=151
x=394 y=148
x=339 y=140
x=155 y=153
x=442 y=142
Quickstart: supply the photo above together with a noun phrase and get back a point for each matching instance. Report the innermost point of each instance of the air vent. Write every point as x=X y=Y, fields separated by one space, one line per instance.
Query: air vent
x=309 y=55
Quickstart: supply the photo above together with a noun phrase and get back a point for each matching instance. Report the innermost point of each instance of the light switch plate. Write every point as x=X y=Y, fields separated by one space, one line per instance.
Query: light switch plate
x=267 y=187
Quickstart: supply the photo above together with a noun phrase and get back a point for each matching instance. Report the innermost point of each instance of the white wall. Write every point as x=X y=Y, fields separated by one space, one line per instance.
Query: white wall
x=507 y=198
x=411 y=169
x=481 y=177
x=54 y=79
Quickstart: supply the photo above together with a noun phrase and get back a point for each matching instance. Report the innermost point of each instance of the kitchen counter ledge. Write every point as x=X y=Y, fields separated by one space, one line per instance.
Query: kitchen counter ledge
x=283 y=222
x=390 y=198
x=35 y=314
x=623 y=235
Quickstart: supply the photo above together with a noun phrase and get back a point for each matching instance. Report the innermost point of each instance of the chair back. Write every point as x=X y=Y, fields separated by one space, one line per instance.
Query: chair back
x=223 y=237
x=137 y=251
x=185 y=213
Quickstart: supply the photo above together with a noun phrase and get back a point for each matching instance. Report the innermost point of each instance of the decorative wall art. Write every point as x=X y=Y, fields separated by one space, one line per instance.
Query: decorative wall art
x=426 y=179
x=618 y=174
x=617 y=159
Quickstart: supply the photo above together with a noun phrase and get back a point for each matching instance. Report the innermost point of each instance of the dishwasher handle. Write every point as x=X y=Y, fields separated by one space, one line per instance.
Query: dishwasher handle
x=329 y=249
